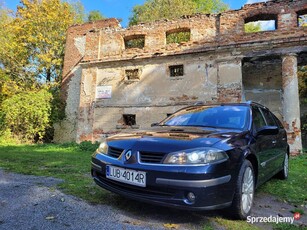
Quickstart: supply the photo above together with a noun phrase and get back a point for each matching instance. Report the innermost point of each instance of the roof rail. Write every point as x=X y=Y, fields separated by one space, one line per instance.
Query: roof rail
x=199 y=103
x=256 y=103
x=249 y=102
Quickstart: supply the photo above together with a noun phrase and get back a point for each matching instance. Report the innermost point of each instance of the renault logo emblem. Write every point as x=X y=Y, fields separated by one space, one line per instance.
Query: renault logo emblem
x=128 y=155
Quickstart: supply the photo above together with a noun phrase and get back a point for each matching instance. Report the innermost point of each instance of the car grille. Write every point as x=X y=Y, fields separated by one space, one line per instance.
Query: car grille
x=114 y=152
x=151 y=157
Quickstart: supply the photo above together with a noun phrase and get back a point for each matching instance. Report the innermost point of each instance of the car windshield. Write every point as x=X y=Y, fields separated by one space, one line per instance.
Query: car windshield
x=217 y=116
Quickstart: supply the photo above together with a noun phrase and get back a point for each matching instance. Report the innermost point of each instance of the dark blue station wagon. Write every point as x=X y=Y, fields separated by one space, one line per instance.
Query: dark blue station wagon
x=202 y=157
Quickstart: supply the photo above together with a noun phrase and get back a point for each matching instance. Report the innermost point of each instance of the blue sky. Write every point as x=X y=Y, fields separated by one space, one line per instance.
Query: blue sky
x=122 y=8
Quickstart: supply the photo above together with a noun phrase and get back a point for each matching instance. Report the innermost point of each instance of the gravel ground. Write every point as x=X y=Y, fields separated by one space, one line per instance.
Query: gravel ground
x=30 y=202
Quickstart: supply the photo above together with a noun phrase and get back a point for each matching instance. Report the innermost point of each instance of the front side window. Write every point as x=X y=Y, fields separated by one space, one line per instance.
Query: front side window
x=229 y=117
x=258 y=120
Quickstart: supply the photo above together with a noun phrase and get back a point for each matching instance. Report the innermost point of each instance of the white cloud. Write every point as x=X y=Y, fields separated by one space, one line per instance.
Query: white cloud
x=267 y=25
x=254 y=1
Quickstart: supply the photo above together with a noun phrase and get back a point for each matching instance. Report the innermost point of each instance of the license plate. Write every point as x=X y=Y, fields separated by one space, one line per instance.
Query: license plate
x=127 y=176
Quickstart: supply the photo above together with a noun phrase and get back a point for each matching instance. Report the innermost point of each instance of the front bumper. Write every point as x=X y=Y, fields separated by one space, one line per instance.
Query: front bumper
x=169 y=186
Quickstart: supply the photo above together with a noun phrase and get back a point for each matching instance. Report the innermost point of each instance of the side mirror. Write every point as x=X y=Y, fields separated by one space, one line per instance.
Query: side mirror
x=268 y=130
x=154 y=124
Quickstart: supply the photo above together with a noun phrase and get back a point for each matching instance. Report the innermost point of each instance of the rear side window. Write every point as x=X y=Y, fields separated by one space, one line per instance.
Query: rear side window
x=278 y=122
x=269 y=117
x=258 y=120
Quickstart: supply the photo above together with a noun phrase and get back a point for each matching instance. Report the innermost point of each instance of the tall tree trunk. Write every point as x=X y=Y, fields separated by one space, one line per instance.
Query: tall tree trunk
x=48 y=77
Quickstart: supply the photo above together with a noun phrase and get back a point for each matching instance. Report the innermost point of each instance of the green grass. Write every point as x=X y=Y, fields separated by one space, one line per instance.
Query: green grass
x=292 y=190
x=67 y=162
x=235 y=224
x=300 y=211
x=285 y=226
x=71 y=163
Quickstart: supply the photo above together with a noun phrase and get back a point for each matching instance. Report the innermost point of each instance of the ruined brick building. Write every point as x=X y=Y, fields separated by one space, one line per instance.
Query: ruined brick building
x=116 y=78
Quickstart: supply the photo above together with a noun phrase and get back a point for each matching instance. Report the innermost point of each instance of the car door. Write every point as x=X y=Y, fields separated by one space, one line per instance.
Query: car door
x=278 y=141
x=264 y=145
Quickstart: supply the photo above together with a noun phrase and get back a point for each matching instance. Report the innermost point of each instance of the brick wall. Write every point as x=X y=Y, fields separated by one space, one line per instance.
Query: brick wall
x=218 y=62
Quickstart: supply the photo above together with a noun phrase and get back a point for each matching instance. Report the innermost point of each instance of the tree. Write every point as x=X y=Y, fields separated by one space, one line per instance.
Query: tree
x=302 y=83
x=252 y=27
x=35 y=47
x=31 y=58
x=78 y=11
x=30 y=115
x=158 y=9
x=302 y=20
x=211 y=6
x=10 y=78
x=13 y=56
x=95 y=15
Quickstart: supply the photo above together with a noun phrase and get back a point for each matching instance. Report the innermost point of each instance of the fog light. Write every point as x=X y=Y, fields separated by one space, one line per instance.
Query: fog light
x=191 y=197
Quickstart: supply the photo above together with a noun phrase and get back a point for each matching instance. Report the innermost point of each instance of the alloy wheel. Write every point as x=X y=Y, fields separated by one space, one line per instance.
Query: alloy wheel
x=286 y=165
x=247 y=190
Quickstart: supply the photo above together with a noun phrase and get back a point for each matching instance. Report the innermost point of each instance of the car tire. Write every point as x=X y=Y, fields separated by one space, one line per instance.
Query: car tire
x=244 y=194
x=283 y=174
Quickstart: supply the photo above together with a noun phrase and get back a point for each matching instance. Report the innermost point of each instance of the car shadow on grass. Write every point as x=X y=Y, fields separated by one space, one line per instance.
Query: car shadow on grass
x=170 y=218
x=139 y=212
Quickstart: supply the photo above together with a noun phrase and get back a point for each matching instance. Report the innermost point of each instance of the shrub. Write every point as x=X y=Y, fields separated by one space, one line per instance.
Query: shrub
x=88 y=146
x=304 y=130
x=6 y=138
x=27 y=114
x=57 y=112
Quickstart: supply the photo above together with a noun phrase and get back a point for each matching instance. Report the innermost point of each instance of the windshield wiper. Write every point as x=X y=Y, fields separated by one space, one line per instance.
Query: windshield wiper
x=205 y=126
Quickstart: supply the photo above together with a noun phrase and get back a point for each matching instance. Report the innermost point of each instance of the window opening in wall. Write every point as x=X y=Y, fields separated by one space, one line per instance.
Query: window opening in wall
x=302 y=18
x=129 y=119
x=260 y=23
x=135 y=42
x=176 y=70
x=132 y=74
x=178 y=36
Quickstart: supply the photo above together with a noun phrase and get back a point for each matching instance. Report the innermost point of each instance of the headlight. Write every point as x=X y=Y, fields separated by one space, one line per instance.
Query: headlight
x=196 y=156
x=103 y=148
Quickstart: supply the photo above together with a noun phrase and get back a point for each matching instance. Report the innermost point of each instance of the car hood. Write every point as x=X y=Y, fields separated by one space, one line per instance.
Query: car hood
x=171 y=138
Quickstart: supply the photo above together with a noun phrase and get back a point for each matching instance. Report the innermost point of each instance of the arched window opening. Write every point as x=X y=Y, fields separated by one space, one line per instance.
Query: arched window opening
x=178 y=35
x=135 y=41
x=260 y=22
x=302 y=18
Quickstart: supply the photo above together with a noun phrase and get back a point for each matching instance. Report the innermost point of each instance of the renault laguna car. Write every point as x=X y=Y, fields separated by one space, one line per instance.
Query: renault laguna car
x=202 y=157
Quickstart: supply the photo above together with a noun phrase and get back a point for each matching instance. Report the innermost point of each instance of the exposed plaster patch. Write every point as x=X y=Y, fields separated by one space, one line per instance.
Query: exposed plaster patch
x=80 y=44
x=87 y=85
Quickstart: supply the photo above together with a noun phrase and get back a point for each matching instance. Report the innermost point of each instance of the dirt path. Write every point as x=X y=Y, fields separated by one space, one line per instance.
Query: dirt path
x=29 y=202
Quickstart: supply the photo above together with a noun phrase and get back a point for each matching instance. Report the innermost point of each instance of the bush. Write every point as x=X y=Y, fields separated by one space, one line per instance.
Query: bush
x=88 y=146
x=6 y=138
x=304 y=130
x=27 y=114
x=57 y=111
